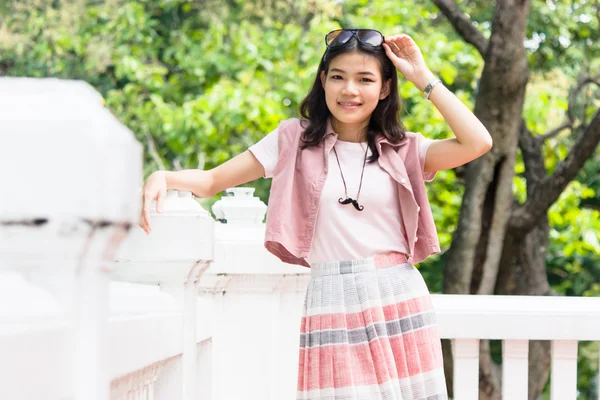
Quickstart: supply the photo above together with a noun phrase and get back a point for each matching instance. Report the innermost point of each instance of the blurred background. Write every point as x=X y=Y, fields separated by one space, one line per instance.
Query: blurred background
x=198 y=82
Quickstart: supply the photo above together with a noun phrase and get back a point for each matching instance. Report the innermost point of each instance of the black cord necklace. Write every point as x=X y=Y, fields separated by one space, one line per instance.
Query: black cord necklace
x=349 y=200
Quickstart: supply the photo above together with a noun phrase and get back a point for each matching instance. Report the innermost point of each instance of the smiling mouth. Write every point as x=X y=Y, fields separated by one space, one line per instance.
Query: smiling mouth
x=348 y=104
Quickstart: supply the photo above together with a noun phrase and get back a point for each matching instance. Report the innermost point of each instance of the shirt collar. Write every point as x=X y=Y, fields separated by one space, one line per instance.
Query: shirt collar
x=329 y=130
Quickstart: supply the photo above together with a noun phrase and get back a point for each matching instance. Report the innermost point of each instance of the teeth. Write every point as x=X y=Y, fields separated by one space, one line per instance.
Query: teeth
x=348 y=104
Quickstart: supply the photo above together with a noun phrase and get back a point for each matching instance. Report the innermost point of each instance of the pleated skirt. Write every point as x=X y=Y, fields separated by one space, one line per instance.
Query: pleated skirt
x=369 y=332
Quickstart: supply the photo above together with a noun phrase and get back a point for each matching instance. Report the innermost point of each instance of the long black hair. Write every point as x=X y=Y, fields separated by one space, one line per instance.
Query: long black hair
x=384 y=120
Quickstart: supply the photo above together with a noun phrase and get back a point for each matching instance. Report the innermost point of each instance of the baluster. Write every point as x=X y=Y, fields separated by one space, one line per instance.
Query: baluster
x=515 y=371
x=563 y=380
x=466 y=368
x=151 y=390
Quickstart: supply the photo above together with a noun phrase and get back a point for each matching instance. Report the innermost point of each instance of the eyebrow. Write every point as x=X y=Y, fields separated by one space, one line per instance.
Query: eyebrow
x=358 y=73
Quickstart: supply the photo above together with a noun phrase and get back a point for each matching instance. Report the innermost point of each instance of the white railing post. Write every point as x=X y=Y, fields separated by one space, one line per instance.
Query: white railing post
x=185 y=294
x=172 y=258
x=515 y=371
x=466 y=368
x=563 y=379
x=239 y=206
x=257 y=308
x=66 y=202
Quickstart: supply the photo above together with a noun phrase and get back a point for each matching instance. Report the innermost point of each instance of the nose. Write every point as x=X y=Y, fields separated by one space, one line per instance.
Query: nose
x=349 y=88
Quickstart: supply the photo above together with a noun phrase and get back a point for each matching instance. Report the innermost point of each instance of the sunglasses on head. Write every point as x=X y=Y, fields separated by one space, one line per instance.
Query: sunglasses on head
x=339 y=37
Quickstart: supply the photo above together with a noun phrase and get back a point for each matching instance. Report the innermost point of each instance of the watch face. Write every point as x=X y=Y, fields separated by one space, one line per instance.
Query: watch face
x=429 y=87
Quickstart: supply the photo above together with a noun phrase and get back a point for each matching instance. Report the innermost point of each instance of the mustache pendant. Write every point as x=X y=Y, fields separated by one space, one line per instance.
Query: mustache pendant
x=354 y=203
x=349 y=200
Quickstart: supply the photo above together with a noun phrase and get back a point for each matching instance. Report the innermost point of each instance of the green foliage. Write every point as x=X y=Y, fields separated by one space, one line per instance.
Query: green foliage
x=574 y=259
x=563 y=34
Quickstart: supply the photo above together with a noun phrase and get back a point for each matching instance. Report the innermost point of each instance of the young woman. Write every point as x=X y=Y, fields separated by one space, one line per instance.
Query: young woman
x=348 y=200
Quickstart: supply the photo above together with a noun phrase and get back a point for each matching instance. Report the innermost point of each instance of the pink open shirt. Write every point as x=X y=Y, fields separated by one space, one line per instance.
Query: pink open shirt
x=298 y=182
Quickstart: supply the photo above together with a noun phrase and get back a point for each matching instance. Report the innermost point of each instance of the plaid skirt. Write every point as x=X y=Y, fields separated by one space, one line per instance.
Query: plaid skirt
x=369 y=332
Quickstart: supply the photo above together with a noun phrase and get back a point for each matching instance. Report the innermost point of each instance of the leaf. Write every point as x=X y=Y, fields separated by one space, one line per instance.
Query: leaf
x=591 y=238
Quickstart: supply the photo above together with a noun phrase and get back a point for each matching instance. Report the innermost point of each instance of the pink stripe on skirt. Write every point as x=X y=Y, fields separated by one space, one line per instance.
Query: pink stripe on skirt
x=369 y=331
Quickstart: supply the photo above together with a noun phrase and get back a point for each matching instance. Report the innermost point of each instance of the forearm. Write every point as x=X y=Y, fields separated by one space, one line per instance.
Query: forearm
x=467 y=128
x=239 y=170
x=197 y=181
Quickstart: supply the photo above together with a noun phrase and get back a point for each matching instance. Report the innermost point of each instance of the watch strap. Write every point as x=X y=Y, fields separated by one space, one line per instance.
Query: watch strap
x=429 y=88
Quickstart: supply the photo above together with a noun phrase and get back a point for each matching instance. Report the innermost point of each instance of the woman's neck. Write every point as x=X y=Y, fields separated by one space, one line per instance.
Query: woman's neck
x=356 y=133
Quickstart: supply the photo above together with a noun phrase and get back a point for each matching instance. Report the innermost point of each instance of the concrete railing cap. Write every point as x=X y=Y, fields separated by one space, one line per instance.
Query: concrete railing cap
x=64 y=155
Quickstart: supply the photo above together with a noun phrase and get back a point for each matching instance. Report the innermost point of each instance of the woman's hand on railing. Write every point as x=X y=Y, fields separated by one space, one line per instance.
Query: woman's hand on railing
x=241 y=169
x=155 y=188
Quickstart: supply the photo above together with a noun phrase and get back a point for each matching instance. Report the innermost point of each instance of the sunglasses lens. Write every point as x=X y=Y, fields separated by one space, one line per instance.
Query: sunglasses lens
x=338 y=37
x=370 y=37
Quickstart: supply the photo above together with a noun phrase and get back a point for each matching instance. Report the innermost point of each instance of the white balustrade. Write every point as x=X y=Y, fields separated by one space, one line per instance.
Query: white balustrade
x=257 y=304
x=91 y=308
x=69 y=176
x=170 y=261
x=515 y=320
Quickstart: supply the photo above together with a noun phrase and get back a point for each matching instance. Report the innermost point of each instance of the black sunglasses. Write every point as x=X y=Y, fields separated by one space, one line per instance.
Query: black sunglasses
x=339 y=37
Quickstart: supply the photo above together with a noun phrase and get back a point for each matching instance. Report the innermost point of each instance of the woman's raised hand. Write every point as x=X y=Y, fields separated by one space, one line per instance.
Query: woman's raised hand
x=155 y=188
x=407 y=57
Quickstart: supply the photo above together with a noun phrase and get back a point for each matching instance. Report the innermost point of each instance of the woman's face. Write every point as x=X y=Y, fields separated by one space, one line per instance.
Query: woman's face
x=353 y=87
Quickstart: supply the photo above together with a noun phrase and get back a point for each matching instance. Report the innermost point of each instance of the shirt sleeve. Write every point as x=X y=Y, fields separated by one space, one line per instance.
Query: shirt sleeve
x=424 y=144
x=266 y=152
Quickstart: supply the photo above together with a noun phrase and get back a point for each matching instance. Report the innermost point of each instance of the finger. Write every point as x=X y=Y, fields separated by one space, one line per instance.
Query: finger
x=144 y=227
x=395 y=59
x=390 y=53
x=142 y=221
x=160 y=201
x=393 y=42
x=405 y=40
x=388 y=50
x=146 y=211
x=401 y=39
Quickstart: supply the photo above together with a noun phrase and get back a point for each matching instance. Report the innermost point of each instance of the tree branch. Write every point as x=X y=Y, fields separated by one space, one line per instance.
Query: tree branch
x=582 y=82
x=533 y=158
x=153 y=152
x=177 y=164
x=463 y=25
x=590 y=206
x=548 y=190
x=553 y=132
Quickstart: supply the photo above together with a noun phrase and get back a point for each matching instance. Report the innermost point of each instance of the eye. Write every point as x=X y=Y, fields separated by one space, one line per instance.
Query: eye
x=336 y=77
x=367 y=80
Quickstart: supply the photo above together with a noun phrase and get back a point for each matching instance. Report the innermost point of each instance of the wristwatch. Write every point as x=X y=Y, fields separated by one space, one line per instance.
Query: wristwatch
x=429 y=88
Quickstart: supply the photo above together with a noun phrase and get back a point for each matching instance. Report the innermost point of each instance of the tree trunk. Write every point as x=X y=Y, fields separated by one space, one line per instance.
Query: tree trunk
x=473 y=260
x=486 y=207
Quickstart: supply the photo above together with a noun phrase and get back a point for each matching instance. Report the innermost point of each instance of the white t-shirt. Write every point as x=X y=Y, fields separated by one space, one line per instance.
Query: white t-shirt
x=341 y=231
